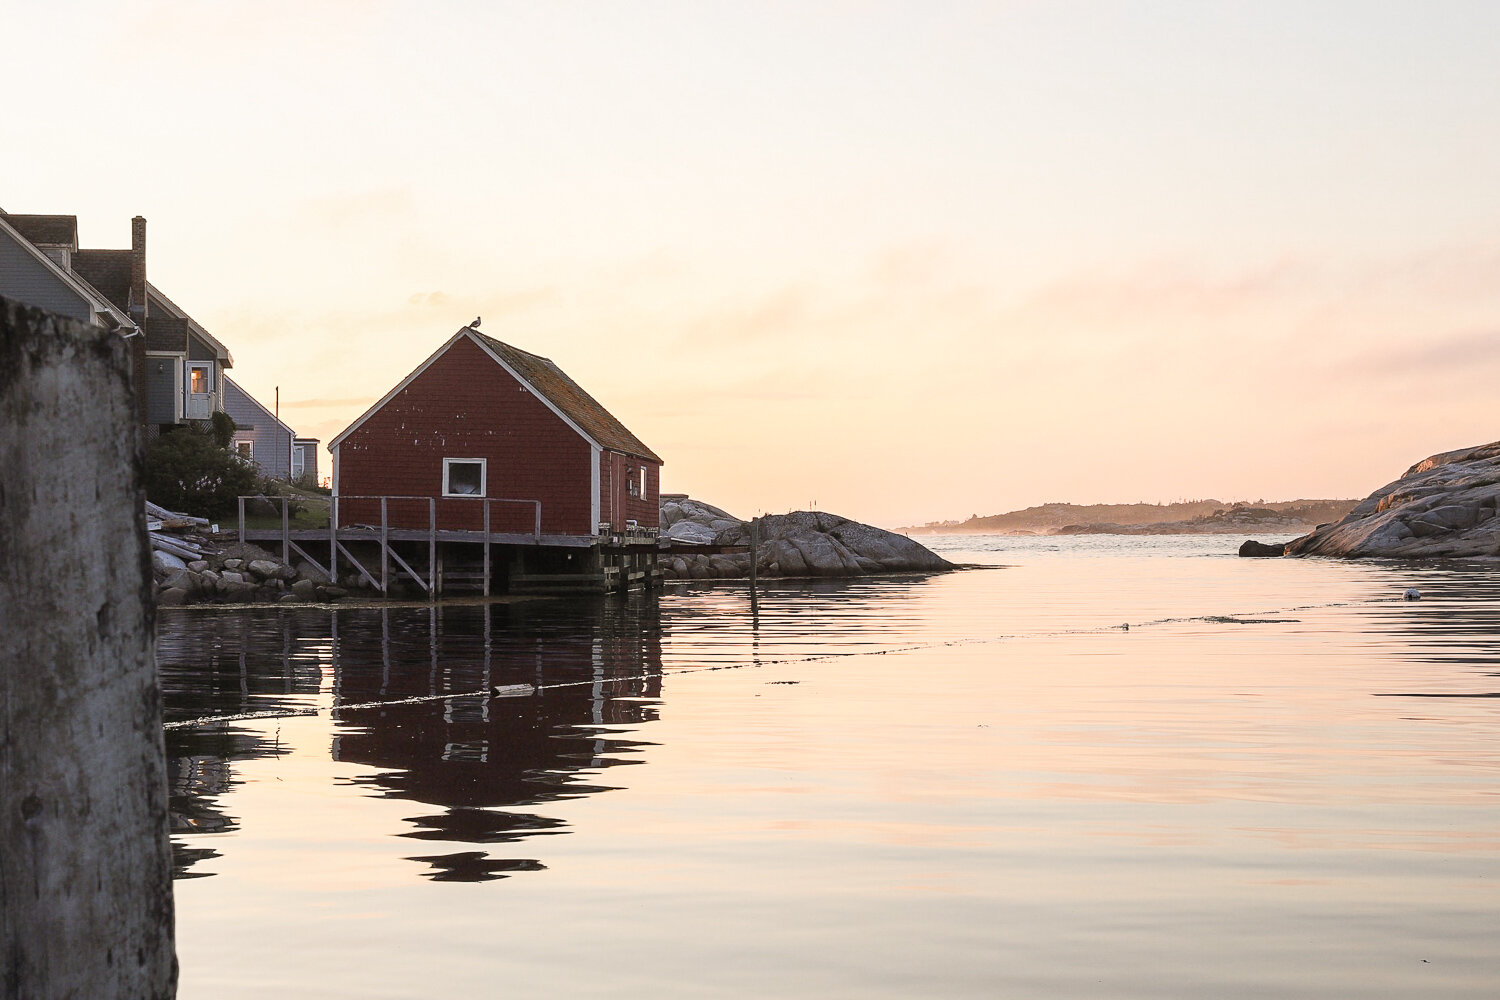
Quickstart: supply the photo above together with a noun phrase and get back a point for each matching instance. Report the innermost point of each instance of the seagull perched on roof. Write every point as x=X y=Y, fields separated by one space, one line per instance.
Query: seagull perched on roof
x=474 y=325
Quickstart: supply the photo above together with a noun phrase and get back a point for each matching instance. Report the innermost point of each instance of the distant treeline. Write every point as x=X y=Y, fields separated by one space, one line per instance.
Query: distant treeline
x=1051 y=517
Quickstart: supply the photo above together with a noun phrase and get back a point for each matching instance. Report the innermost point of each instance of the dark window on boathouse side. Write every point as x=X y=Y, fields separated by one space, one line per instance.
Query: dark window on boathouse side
x=464 y=477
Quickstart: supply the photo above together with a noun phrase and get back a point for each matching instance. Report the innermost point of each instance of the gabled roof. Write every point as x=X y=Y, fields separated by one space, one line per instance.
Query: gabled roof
x=568 y=396
x=46 y=230
x=79 y=285
x=547 y=381
x=263 y=408
x=160 y=301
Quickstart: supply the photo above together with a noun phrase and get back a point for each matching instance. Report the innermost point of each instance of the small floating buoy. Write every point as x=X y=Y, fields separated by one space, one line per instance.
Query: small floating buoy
x=1126 y=626
x=512 y=691
x=1412 y=594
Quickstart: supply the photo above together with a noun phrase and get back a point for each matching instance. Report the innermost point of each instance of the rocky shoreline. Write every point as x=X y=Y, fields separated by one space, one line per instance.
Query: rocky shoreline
x=1442 y=507
x=237 y=574
x=1185 y=517
x=1236 y=520
x=799 y=544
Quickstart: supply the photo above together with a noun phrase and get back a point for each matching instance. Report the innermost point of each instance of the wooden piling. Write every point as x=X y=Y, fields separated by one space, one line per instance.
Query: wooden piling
x=85 y=869
x=754 y=558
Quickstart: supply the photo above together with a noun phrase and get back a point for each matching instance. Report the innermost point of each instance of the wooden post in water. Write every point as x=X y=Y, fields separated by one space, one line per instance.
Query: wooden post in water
x=385 y=548
x=754 y=558
x=85 y=866
x=333 y=540
x=486 y=503
x=434 y=578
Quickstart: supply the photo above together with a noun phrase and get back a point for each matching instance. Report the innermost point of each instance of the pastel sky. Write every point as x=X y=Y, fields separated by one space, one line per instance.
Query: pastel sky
x=904 y=261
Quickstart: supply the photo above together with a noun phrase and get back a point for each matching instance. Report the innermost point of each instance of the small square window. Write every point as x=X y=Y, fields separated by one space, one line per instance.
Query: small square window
x=245 y=449
x=463 y=477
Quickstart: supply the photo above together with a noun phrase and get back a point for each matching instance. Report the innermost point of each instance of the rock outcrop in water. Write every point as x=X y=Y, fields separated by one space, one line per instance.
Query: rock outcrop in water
x=1442 y=506
x=802 y=543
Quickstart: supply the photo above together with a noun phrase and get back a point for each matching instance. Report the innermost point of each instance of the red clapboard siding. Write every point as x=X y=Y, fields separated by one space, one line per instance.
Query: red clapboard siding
x=465 y=405
x=616 y=505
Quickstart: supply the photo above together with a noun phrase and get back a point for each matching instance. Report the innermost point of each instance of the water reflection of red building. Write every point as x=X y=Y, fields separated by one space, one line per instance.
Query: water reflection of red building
x=485 y=763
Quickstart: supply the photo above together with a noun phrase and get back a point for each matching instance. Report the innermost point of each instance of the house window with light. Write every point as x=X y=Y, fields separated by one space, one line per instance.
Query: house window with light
x=464 y=477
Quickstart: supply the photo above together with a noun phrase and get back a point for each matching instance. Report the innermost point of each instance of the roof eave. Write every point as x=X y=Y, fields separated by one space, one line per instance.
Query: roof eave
x=91 y=295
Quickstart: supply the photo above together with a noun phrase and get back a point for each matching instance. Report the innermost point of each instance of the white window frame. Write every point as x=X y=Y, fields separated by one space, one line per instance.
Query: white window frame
x=484 y=476
x=240 y=443
x=197 y=405
x=207 y=368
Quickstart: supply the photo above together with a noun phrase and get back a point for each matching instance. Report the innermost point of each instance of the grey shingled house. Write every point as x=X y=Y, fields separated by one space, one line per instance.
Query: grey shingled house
x=179 y=366
x=262 y=438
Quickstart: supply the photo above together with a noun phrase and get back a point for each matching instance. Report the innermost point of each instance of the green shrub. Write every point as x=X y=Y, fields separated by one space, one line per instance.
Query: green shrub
x=189 y=472
x=221 y=428
x=309 y=482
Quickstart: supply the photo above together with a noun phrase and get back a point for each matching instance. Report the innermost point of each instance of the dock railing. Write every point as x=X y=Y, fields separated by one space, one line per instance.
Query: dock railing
x=284 y=510
x=387 y=554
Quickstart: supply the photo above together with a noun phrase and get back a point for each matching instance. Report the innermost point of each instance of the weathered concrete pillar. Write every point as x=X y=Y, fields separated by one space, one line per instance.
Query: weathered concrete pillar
x=85 y=866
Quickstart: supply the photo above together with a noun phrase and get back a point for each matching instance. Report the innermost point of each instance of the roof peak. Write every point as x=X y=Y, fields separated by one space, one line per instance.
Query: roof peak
x=509 y=347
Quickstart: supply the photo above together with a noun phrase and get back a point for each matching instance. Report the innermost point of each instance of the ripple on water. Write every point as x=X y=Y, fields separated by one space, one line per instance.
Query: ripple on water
x=1278 y=781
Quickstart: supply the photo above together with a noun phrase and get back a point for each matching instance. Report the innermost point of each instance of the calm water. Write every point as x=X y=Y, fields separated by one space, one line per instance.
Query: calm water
x=1280 y=781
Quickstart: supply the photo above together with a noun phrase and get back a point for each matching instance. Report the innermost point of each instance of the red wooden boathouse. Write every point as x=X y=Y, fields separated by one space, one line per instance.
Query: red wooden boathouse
x=489 y=443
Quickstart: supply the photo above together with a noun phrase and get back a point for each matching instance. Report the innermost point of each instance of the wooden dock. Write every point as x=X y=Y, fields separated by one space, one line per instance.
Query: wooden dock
x=436 y=559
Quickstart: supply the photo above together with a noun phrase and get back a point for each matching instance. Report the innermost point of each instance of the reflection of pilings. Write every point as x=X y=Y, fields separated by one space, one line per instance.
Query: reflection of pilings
x=597 y=692
x=333 y=653
x=432 y=650
x=286 y=654
x=385 y=650
x=244 y=665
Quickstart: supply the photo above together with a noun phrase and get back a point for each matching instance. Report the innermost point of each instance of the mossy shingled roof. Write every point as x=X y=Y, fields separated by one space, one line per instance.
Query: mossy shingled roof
x=568 y=396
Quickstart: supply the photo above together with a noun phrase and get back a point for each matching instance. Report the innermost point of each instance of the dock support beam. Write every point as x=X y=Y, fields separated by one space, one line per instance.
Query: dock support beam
x=333 y=541
x=385 y=547
x=486 y=548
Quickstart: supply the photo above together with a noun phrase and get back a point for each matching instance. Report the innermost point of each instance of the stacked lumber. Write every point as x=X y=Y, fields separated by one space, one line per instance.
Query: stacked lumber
x=168 y=529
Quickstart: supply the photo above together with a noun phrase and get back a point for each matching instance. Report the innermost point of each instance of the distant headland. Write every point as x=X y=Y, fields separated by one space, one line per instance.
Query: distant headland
x=1208 y=517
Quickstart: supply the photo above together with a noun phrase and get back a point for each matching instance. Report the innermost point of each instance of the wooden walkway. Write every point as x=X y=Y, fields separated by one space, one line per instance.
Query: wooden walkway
x=392 y=567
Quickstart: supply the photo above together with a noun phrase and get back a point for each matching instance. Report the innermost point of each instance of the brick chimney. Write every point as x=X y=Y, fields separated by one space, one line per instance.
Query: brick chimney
x=138 y=268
